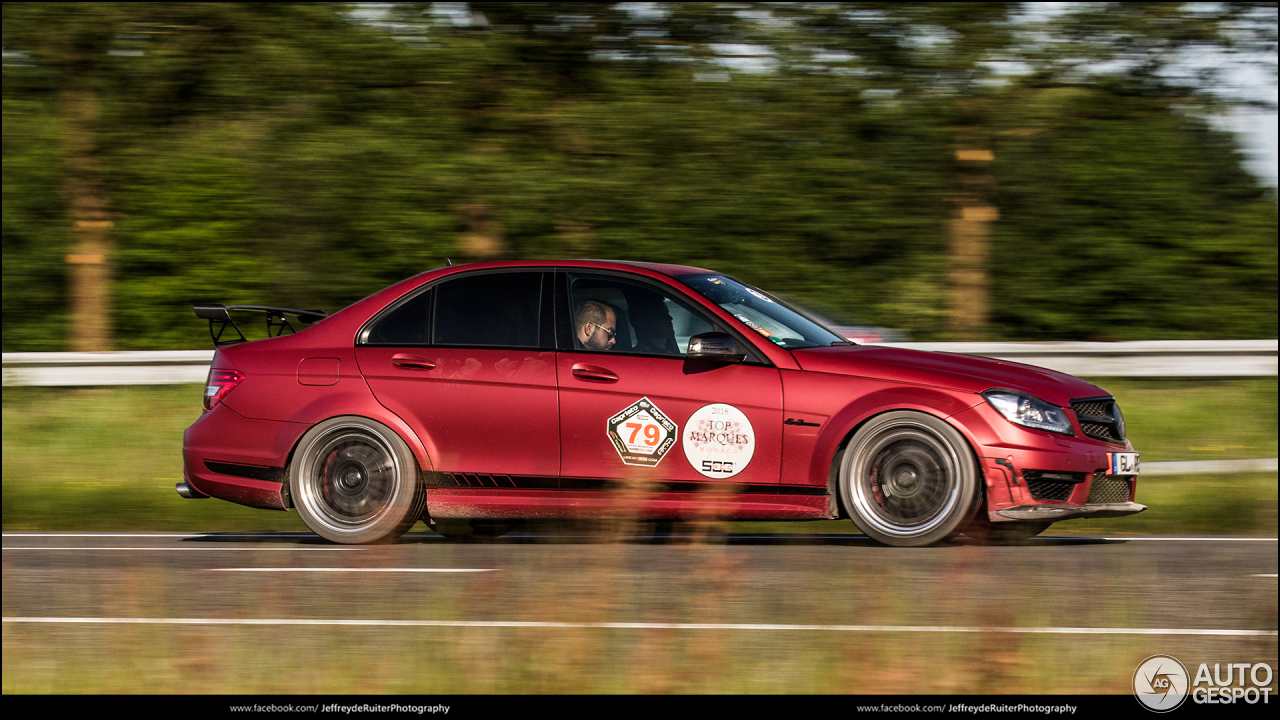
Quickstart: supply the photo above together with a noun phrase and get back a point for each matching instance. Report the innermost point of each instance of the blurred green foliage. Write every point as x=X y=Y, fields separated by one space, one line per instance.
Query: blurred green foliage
x=308 y=155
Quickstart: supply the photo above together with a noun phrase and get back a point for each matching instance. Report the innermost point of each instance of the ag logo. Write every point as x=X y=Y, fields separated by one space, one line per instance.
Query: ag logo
x=642 y=434
x=1160 y=683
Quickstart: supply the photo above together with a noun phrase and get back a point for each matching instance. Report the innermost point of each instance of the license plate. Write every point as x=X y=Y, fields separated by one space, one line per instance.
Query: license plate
x=1123 y=463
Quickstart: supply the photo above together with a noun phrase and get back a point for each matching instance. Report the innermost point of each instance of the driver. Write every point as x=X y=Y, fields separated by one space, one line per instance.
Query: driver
x=597 y=325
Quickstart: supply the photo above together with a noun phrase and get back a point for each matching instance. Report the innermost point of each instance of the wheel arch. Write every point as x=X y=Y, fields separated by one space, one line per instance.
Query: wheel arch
x=854 y=420
x=422 y=459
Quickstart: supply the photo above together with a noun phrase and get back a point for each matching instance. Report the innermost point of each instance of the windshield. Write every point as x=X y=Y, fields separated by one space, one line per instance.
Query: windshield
x=764 y=314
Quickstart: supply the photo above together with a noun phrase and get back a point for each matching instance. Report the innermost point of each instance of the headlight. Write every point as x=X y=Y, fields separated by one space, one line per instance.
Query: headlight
x=1028 y=411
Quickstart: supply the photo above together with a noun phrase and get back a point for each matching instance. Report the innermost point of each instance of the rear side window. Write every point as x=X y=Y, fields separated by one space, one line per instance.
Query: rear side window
x=496 y=309
x=406 y=325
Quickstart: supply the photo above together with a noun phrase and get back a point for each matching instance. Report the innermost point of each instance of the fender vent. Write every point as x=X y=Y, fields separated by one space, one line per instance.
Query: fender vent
x=476 y=480
x=485 y=480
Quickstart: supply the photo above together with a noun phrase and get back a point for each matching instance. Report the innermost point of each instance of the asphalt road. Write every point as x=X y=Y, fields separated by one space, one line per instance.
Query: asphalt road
x=1212 y=599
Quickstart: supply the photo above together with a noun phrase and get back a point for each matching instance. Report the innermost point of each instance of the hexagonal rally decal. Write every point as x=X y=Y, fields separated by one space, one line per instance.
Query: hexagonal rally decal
x=642 y=434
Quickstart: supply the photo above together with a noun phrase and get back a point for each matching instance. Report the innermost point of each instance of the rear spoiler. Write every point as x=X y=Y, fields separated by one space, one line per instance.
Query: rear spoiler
x=276 y=320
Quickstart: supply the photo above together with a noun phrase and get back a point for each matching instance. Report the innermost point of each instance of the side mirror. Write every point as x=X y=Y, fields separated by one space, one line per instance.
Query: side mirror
x=715 y=347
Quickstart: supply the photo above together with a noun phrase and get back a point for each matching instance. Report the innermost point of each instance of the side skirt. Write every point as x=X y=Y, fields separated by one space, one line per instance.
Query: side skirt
x=593 y=498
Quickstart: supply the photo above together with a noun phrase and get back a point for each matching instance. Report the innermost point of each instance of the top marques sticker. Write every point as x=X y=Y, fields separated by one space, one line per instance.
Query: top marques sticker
x=719 y=440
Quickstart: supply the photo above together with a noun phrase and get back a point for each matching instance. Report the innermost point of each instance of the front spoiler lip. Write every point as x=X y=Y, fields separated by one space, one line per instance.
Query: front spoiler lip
x=1068 y=512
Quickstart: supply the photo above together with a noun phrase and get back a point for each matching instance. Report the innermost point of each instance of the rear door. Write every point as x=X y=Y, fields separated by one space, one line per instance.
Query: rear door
x=636 y=410
x=469 y=363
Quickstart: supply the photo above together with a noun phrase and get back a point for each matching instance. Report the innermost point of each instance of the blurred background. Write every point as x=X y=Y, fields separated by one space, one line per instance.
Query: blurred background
x=932 y=172
x=975 y=171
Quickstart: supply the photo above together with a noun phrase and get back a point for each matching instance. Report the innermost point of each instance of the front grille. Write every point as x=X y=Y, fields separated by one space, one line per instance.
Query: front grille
x=1109 y=489
x=1098 y=430
x=1100 y=418
x=1050 y=489
x=1097 y=408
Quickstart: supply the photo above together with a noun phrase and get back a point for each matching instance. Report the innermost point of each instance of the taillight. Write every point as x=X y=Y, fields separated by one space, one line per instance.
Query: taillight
x=220 y=383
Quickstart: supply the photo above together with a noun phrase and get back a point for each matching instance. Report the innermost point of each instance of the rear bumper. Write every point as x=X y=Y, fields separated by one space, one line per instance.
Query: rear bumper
x=187 y=490
x=256 y=451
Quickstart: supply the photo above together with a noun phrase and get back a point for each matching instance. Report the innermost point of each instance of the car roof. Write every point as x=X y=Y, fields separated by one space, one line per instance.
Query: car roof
x=661 y=268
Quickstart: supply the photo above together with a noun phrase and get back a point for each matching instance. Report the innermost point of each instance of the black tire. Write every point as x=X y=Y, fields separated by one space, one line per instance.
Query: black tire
x=984 y=532
x=354 y=481
x=908 y=479
x=472 y=530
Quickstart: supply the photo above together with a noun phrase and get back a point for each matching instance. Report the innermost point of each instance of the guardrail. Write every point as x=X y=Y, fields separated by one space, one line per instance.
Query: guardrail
x=91 y=369
x=1173 y=359
x=1145 y=358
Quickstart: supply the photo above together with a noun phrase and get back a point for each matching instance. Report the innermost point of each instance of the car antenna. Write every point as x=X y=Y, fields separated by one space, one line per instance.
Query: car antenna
x=448 y=262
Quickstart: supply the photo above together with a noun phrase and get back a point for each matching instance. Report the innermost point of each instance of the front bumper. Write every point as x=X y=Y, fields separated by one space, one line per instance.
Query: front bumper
x=1037 y=475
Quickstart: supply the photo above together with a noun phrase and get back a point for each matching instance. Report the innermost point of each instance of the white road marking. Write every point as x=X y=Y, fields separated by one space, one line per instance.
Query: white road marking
x=324 y=569
x=641 y=626
x=254 y=548
x=114 y=535
x=1176 y=539
x=433 y=536
x=1264 y=575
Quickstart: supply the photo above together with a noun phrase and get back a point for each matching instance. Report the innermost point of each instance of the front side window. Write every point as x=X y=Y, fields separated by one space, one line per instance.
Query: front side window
x=492 y=309
x=609 y=314
x=762 y=313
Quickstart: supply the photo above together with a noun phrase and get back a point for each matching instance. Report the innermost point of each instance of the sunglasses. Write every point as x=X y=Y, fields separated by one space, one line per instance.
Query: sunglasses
x=610 y=333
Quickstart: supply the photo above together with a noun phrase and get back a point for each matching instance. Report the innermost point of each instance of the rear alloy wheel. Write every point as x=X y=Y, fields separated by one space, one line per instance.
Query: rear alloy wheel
x=355 y=481
x=909 y=479
x=984 y=532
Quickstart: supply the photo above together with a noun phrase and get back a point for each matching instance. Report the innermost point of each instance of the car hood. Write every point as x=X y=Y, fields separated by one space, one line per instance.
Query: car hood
x=969 y=373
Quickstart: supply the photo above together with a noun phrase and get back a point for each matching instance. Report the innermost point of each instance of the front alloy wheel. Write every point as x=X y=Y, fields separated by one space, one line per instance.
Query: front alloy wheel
x=909 y=479
x=355 y=481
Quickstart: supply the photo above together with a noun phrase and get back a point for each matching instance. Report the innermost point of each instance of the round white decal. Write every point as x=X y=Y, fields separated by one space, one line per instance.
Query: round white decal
x=719 y=440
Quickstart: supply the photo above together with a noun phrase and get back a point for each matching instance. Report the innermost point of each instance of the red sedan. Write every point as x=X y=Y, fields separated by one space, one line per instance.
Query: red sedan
x=477 y=396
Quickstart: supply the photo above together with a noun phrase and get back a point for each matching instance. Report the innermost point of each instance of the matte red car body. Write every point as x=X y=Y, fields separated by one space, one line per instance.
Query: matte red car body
x=485 y=416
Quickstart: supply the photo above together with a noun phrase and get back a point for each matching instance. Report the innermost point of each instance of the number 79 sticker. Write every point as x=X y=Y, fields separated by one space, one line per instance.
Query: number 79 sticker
x=642 y=434
x=1122 y=463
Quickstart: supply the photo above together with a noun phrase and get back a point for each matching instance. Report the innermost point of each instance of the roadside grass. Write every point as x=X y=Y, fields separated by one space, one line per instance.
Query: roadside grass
x=460 y=661
x=1211 y=419
x=108 y=458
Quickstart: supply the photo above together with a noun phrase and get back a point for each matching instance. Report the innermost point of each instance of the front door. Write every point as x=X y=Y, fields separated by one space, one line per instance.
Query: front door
x=633 y=409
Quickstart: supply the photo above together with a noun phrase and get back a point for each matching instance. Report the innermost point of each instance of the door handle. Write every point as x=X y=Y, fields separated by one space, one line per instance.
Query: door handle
x=583 y=371
x=411 y=362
